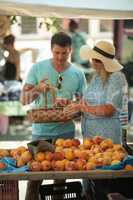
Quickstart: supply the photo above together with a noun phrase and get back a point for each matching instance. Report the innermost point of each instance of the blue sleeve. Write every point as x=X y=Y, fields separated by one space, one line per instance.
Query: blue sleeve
x=32 y=76
x=115 y=90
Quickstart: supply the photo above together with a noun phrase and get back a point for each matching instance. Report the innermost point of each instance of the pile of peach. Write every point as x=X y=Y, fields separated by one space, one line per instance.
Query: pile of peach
x=70 y=155
x=20 y=154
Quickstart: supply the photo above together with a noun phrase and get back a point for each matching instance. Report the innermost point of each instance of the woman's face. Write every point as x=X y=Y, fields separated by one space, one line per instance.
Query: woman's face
x=97 y=65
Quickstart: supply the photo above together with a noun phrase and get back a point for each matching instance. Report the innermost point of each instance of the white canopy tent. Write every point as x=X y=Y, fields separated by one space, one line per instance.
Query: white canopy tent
x=92 y=9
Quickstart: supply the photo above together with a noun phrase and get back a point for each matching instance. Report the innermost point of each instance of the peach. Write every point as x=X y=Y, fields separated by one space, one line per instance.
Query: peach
x=21 y=149
x=40 y=156
x=70 y=165
x=35 y=166
x=128 y=167
x=117 y=156
x=99 y=161
x=45 y=165
x=75 y=142
x=107 y=143
x=96 y=149
x=90 y=166
x=68 y=143
x=53 y=164
x=69 y=154
x=26 y=156
x=118 y=147
x=58 y=155
x=77 y=153
x=59 y=142
x=59 y=165
x=93 y=160
x=88 y=142
x=98 y=139
x=20 y=162
x=84 y=155
x=49 y=156
x=2 y=165
x=80 y=163
x=107 y=160
x=59 y=148
x=4 y=152
x=81 y=147
x=15 y=153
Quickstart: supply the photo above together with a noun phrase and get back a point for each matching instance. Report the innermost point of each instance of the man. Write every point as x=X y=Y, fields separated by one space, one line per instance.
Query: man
x=78 y=40
x=61 y=74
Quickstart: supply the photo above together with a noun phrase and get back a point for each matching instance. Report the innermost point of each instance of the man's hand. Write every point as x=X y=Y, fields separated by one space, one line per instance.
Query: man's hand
x=41 y=87
x=62 y=102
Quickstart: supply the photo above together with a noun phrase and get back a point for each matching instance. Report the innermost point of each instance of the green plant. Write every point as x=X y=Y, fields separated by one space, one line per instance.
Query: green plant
x=52 y=24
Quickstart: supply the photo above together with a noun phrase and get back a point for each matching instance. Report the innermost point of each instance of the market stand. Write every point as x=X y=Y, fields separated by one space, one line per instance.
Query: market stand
x=92 y=174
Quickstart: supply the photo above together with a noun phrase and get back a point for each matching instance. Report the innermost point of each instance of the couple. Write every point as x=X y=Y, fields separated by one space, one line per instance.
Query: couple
x=101 y=100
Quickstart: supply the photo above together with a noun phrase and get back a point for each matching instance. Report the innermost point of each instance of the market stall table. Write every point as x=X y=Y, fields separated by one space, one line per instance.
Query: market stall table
x=10 y=180
x=92 y=174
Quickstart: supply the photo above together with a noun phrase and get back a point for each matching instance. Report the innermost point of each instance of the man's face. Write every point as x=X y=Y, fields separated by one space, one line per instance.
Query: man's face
x=60 y=54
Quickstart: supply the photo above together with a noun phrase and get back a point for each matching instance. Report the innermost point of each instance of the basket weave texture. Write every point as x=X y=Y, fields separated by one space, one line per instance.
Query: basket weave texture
x=48 y=115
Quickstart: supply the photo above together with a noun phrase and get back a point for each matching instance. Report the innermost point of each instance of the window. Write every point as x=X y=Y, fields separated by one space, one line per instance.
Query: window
x=28 y=25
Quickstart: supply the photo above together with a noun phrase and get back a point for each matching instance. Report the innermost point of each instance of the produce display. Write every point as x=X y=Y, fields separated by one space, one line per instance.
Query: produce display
x=69 y=154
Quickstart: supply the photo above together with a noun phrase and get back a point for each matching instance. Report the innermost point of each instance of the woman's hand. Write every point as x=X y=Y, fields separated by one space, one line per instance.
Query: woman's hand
x=84 y=105
x=72 y=109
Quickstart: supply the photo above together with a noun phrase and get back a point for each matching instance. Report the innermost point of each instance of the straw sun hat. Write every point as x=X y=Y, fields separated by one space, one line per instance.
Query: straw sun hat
x=104 y=51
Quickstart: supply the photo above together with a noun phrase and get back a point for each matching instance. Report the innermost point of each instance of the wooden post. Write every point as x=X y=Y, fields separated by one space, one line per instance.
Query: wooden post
x=118 y=37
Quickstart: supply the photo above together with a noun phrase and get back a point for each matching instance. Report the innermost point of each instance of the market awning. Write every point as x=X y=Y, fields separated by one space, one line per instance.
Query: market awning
x=114 y=9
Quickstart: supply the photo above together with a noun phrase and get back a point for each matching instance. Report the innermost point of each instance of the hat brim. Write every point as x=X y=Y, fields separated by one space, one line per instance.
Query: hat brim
x=111 y=65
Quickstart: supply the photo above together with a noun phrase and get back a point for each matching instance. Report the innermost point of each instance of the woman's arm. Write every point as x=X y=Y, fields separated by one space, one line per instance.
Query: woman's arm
x=17 y=63
x=106 y=110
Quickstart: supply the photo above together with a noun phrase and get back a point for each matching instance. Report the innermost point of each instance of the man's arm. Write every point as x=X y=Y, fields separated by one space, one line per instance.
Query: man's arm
x=29 y=93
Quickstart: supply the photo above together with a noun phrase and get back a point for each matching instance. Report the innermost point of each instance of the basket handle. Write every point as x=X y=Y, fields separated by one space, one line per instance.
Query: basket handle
x=52 y=90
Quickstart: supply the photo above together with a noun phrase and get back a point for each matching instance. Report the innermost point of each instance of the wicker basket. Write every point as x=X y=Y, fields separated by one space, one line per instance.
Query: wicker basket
x=43 y=115
x=54 y=114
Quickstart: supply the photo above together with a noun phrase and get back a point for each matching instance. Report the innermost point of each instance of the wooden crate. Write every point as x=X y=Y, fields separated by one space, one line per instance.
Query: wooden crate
x=9 y=190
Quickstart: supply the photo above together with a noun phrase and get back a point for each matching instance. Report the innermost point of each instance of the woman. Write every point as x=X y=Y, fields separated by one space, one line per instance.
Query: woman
x=12 y=65
x=103 y=99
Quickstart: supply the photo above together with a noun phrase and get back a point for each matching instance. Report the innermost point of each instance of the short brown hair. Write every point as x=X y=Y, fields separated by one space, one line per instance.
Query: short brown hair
x=9 y=39
x=61 y=39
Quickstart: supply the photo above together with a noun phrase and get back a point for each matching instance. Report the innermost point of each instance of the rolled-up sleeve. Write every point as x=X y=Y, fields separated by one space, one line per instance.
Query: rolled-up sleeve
x=115 y=90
